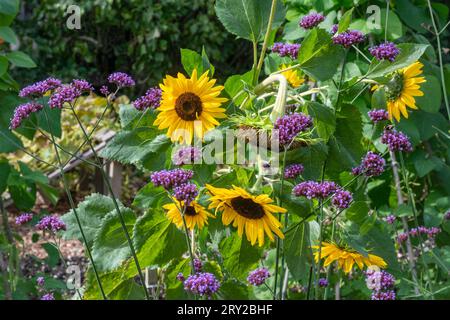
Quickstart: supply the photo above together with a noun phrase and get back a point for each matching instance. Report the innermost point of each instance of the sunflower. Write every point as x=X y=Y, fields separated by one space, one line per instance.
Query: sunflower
x=292 y=76
x=346 y=257
x=254 y=214
x=191 y=105
x=402 y=88
x=195 y=215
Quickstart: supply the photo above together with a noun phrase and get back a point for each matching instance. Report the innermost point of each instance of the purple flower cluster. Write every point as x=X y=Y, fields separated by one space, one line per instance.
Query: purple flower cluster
x=22 y=112
x=185 y=193
x=180 y=277
x=334 y=29
x=378 y=115
x=63 y=94
x=187 y=155
x=48 y=297
x=323 y=282
x=151 y=99
x=290 y=125
x=385 y=51
x=258 y=276
x=51 y=223
x=421 y=230
x=171 y=178
x=342 y=199
x=121 y=79
x=321 y=190
x=286 y=49
x=38 y=89
x=381 y=283
x=203 y=284
x=396 y=141
x=390 y=219
x=82 y=85
x=40 y=281
x=104 y=91
x=293 y=171
x=372 y=165
x=349 y=38
x=24 y=218
x=198 y=265
x=311 y=20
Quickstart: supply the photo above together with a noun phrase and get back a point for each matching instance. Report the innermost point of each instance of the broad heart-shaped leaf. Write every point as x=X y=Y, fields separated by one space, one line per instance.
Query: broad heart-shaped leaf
x=9 y=7
x=409 y=53
x=157 y=240
x=130 y=147
x=91 y=213
x=346 y=147
x=318 y=56
x=323 y=118
x=297 y=248
x=312 y=158
x=192 y=60
x=7 y=34
x=53 y=123
x=239 y=256
x=248 y=19
x=9 y=142
x=174 y=287
x=149 y=196
x=432 y=95
x=131 y=118
x=20 y=59
x=235 y=290
x=111 y=247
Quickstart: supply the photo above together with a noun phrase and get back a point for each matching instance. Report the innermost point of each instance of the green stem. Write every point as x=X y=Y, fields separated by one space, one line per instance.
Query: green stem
x=387 y=19
x=116 y=205
x=266 y=41
x=325 y=295
x=321 y=219
x=72 y=205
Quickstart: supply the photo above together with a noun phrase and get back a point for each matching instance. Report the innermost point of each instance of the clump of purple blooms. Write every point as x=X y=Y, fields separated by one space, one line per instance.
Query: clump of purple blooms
x=421 y=230
x=323 y=282
x=385 y=51
x=38 y=89
x=187 y=155
x=390 y=219
x=290 y=125
x=51 y=223
x=311 y=20
x=198 y=265
x=171 y=178
x=349 y=38
x=82 y=85
x=286 y=49
x=185 y=193
x=378 y=115
x=22 y=112
x=151 y=99
x=24 y=218
x=293 y=171
x=203 y=284
x=258 y=276
x=180 y=277
x=321 y=190
x=64 y=94
x=372 y=165
x=396 y=140
x=48 y=297
x=121 y=79
x=104 y=91
x=40 y=281
x=381 y=283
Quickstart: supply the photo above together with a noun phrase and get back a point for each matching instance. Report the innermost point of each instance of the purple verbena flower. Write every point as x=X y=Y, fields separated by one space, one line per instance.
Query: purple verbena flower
x=121 y=79
x=38 y=89
x=396 y=140
x=342 y=199
x=379 y=280
x=402 y=237
x=187 y=155
x=311 y=20
x=151 y=99
x=290 y=125
x=104 y=91
x=22 y=112
x=198 y=265
x=82 y=85
x=286 y=49
x=64 y=94
x=203 y=284
x=323 y=282
x=185 y=193
x=171 y=178
x=308 y=189
x=293 y=171
x=378 y=115
x=348 y=38
x=258 y=277
x=180 y=277
x=334 y=29
x=383 y=295
x=326 y=188
x=372 y=165
x=385 y=51
x=51 y=223
x=390 y=219
x=40 y=281
x=48 y=296
x=24 y=218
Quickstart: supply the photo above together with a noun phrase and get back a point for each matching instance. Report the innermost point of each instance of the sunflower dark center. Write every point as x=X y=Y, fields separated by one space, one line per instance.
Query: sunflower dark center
x=247 y=208
x=190 y=211
x=394 y=87
x=188 y=106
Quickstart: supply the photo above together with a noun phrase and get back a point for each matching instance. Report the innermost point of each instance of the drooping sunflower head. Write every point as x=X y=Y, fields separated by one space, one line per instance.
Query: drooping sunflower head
x=189 y=106
x=403 y=86
x=293 y=76
x=249 y=213
x=195 y=215
x=346 y=257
